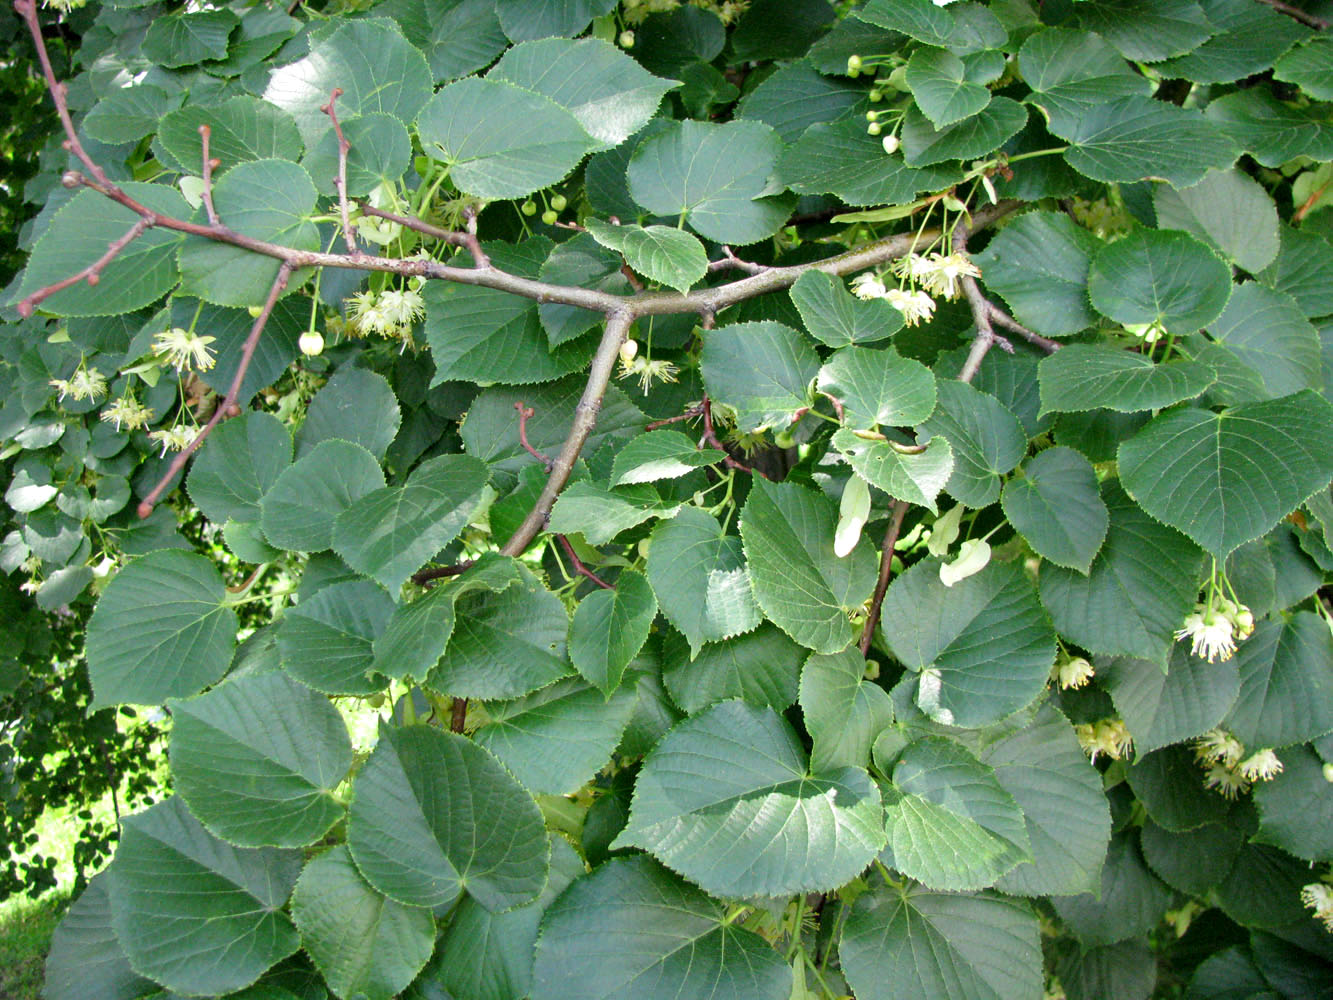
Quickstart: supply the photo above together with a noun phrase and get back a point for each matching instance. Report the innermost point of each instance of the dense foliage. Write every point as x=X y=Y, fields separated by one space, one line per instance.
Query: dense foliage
x=827 y=501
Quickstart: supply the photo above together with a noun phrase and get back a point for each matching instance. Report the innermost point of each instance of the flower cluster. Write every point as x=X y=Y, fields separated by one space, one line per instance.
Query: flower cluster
x=939 y=274
x=915 y=306
x=85 y=383
x=1214 y=631
x=1318 y=896
x=1228 y=769
x=1073 y=672
x=184 y=349
x=390 y=314
x=128 y=412
x=177 y=438
x=1109 y=737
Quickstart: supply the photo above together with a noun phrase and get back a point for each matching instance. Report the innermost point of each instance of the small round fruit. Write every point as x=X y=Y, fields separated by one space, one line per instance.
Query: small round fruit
x=559 y=202
x=529 y=207
x=311 y=344
x=549 y=216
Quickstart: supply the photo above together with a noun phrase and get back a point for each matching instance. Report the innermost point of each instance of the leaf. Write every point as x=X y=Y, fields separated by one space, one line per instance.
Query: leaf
x=392 y=532
x=600 y=513
x=801 y=585
x=715 y=177
x=79 y=234
x=1131 y=899
x=633 y=931
x=660 y=454
x=760 y=667
x=238 y=464
x=1304 y=270
x=556 y=739
x=924 y=145
x=609 y=629
x=878 y=387
x=270 y=200
x=199 y=916
x=762 y=370
x=84 y=950
x=327 y=641
x=1056 y=507
x=919 y=19
x=524 y=20
x=1246 y=40
x=379 y=152
x=1193 y=861
x=610 y=94
x=1082 y=377
x=579 y=261
x=916 y=942
x=355 y=405
x=910 y=473
x=369 y=60
x=160 y=631
x=230 y=328
x=1263 y=888
x=1142 y=583
x=1147 y=30
x=130 y=113
x=986 y=440
x=727 y=800
x=1189 y=699
x=670 y=256
x=299 y=509
x=836 y=318
x=1227 y=210
x=188 y=39
x=1226 y=478
x=1284 y=694
x=363 y=944
x=257 y=761
x=1294 y=811
x=1266 y=330
x=938 y=81
x=1039 y=263
x=434 y=815
x=1168 y=783
x=241 y=129
x=1151 y=276
x=1271 y=131
x=1069 y=71
x=843 y=711
x=458 y=37
x=795 y=96
x=1310 y=67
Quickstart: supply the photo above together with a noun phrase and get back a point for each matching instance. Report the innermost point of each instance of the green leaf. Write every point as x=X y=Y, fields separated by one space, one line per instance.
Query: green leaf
x=659 y=253
x=188 y=39
x=391 y=533
x=1193 y=861
x=79 y=234
x=878 y=387
x=1039 y=263
x=1056 y=507
x=257 y=760
x=762 y=370
x=523 y=20
x=760 y=667
x=270 y=200
x=916 y=942
x=923 y=144
x=327 y=641
x=1152 y=276
x=1270 y=130
x=363 y=944
x=129 y=114
x=161 y=630
x=1227 y=210
x=580 y=261
x=1295 y=809
x=1310 y=67
x=1142 y=583
x=1132 y=138
x=727 y=799
x=369 y=60
x=600 y=513
x=1304 y=270
x=239 y=463
x=837 y=318
x=1246 y=40
x=843 y=711
x=1225 y=478
x=1285 y=697
x=1189 y=699
x=1266 y=330
x=1069 y=71
x=276 y=350
x=240 y=130
x=1065 y=811
x=1147 y=30
x=633 y=931
x=1263 y=888
x=910 y=473
x=299 y=509
x=658 y=455
x=379 y=152
x=610 y=94
x=84 y=950
x=609 y=629
x=470 y=126
x=1168 y=783
x=938 y=81
x=919 y=19
x=355 y=405
x=715 y=177
x=950 y=823
x=697 y=571
x=198 y=915
x=797 y=96
x=986 y=440
x=434 y=815
x=798 y=580
x=1082 y=377
x=458 y=37
x=1131 y=899
x=556 y=739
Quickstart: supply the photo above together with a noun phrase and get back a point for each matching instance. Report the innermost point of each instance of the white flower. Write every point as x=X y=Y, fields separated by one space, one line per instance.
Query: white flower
x=913 y=266
x=1230 y=783
x=178 y=438
x=648 y=370
x=85 y=383
x=1110 y=737
x=973 y=555
x=402 y=309
x=915 y=306
x=1073 y=673
x=1318 y=896
x=1262 y=766
x=1211 y=634
x=127 y=411
x=946 y=273
x=1219 y=747
x=868 y=286
x=183 y=349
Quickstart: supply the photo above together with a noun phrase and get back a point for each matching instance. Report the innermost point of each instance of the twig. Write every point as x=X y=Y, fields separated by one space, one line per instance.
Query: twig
x=730 y=261
x=981 y=316
x=1305 y=17
x=247 y=353
x=693 y=413
x=466 y=240
x=631 y=277
x=525 y=413
x=340 y=182
x=439 y=572
x=208 y=166
x=91 y=274
x=885 y=571
x=1001 y=318
x=579 y=568
x=458 y=717
x=711 y=437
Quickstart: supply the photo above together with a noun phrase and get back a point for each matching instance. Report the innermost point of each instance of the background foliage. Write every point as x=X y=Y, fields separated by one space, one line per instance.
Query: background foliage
x=825 y=500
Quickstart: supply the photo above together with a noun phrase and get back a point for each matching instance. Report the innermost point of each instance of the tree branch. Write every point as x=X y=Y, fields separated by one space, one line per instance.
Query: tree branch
x=206 y=171
x=1001 y=318
x=885 y=571
x=340 y=181
x=579 y=568
x=466 y=240
x=91 y=274
x=1305 y=17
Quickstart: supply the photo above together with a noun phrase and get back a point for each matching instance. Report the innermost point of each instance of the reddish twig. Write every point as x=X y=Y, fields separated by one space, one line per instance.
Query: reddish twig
x=440 y=572
x=208 y=166
x=466 y=240
x=1001 y=318
x=91 y=274
x=837 y=407
x=458 y=717
x=247 y=352
x=579 y=568
x=693 y=413
x=340 y=182
x=525 y=413
x=631 y=277
x=885 y=571
x=729 y=261
x=711 y=437
x=1295 y=12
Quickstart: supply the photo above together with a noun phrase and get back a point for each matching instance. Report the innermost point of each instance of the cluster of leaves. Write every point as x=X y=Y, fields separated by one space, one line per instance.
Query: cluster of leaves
x=661 y=716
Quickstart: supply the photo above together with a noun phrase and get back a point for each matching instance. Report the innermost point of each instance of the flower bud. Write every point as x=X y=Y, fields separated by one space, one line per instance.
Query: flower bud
x=311 y=344
x=891 y=144
x=629 y=350
x=874 y=128
x=627 y=39
x=854 y=62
